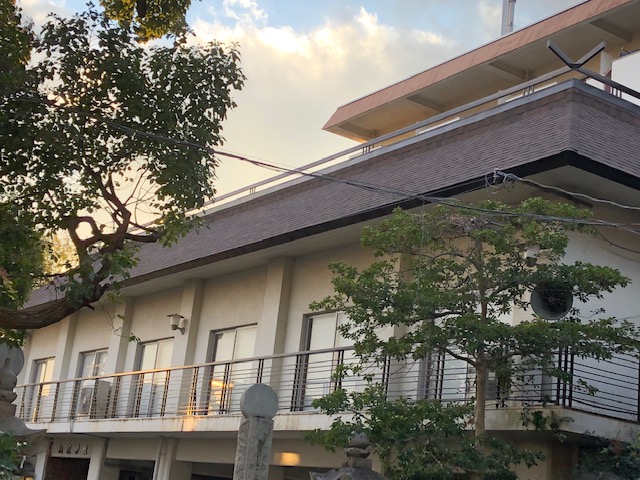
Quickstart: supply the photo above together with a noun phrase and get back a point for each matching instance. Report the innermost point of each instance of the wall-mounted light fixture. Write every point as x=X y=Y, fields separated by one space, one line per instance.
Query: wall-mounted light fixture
x=287 y=459
x=178 y=322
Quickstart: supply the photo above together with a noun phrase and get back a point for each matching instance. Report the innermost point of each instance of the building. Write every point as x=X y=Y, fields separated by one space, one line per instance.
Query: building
x=228 y=306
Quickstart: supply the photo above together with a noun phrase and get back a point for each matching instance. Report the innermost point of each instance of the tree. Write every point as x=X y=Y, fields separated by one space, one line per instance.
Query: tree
x=112 y=143
x=15 y=44
x=461 y=270
x=150 y=19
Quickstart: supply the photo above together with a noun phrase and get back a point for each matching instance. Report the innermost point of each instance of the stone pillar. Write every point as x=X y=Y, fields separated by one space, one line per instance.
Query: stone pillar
x=358 y=465
x=12 y=360
x=259 y=404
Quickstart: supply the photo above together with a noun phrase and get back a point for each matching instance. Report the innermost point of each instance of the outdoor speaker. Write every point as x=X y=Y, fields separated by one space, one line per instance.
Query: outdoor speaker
x=551 y=301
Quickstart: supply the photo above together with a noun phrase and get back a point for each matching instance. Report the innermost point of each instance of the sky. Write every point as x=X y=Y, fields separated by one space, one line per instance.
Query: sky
x=304 y=58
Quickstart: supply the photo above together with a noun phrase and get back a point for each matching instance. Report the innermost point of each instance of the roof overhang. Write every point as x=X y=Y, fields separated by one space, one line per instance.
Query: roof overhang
x=501 y=64
x=570 y=135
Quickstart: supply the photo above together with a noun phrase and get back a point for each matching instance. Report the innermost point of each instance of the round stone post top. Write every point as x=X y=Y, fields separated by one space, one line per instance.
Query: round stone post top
x=259 y=400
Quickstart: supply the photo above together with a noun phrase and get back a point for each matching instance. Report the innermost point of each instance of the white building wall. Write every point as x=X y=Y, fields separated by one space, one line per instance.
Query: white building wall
x=230 y=301
x=312 y=282
x=94 y=329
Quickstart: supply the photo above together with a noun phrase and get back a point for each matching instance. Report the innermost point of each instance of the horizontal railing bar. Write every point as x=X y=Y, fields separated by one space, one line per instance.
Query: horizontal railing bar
x=402 y=131
x=215 y=388
x=200 y=365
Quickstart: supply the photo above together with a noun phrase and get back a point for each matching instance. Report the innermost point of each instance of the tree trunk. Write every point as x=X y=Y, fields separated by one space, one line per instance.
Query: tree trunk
x=480 y=410
x=45 y=314
x=481 y=400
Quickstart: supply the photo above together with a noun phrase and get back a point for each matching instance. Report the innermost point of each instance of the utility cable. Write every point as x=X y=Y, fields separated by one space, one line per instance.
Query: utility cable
x=392 y=192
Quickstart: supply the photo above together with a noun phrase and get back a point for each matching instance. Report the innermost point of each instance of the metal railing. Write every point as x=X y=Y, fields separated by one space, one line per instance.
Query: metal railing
x=447 y=117
x=607 y=388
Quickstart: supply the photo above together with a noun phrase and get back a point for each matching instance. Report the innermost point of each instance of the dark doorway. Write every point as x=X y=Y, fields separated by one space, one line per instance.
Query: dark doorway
x=67 y=468
x=131 y=475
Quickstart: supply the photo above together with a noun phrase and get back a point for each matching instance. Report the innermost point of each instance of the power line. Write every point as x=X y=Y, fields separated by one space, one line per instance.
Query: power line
x=388 y=191
x=511 y=177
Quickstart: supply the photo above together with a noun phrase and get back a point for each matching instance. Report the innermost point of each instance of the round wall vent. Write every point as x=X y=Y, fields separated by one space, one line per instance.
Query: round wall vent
x=551 y=301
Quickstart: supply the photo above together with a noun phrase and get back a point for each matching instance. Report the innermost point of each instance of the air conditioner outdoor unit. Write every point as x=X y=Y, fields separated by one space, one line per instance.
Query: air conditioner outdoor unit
x=90 y=405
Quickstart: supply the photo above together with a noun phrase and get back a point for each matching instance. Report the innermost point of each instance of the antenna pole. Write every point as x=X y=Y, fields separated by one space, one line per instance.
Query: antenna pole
x=508 y=11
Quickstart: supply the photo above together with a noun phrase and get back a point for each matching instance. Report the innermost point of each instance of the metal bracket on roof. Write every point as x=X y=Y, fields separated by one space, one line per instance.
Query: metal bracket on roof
x=580 y=63
x=579 y=67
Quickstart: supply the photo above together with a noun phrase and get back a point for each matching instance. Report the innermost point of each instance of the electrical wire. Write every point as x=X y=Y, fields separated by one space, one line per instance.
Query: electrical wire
x=510 y=177
x=387 y=191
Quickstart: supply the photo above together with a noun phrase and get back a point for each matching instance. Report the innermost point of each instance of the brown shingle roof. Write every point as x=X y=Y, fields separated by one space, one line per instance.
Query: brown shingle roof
x=571 y=117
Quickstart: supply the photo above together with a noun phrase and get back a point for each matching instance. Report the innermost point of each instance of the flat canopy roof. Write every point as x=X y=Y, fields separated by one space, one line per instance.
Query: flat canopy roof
x=503 y=63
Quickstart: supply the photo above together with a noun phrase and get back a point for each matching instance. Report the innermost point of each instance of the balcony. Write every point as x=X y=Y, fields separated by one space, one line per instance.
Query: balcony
x=213 y=390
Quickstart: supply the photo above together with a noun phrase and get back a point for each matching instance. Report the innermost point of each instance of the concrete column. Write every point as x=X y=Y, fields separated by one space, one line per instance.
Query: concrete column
x=396 y=385
x=66 y=337
x=54 y=397
x=273 y=322
x=166 y=466
x=97 y=469
x=272 y=327
x=41 y=460
x=184 y=344
x=119 y=340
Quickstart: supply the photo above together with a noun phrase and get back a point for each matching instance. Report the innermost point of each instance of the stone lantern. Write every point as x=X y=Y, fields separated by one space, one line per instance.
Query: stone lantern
x=357 y=467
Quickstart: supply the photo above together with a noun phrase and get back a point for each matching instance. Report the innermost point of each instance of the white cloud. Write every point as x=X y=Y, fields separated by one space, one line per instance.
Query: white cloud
x=296 y=79
x=490 y=14
x=39 y=10
x=244 y=11
x=284 y=40
x=430 y=38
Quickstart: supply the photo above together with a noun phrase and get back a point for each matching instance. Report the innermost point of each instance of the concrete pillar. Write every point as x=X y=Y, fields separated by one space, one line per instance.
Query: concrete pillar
x=273 y=322
x=119 y=341
x=166 y=466
x=184 y=344
x=64 y=347
x=41 y=460
x=397 y=368
x=97 y=469
x=272 y=326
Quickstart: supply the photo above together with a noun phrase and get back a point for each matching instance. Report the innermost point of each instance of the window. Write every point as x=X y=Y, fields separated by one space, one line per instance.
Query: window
x=152 y=386
x=39 y=397
x=92 y=363
x=314 y=372
x=92 y=396
x=228 y=381
x=43 y=371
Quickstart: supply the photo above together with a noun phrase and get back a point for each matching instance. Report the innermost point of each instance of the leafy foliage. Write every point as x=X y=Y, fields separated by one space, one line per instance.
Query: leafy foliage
x=150 y=18
x=417 y=439
x=612 y=456
x=10 y=455
x=445 y=279
x=15 y=45
x=86 y=146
